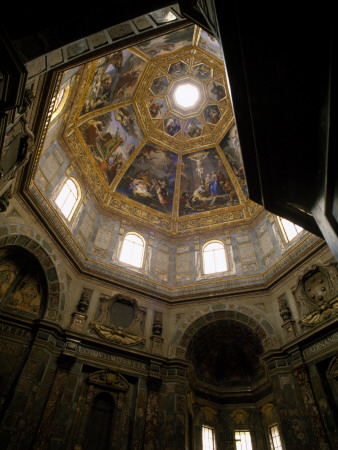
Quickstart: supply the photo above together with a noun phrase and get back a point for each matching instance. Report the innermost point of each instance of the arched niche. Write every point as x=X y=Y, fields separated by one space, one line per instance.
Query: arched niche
x=255 y=320
x=31 y=246
x=225 y=354
x=23 y=284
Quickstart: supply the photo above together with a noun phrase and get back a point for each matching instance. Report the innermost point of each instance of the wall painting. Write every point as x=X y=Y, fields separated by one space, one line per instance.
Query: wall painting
x=115 y=80
x=205 y=183
x=150 y=179
x=232 y=150
x=112 y=137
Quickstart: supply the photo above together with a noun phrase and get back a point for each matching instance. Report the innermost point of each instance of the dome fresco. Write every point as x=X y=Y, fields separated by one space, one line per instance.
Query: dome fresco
x=148 y=159
x=146 y=152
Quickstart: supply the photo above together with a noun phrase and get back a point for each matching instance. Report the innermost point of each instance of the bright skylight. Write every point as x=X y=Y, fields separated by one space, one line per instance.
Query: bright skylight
x=186 y=95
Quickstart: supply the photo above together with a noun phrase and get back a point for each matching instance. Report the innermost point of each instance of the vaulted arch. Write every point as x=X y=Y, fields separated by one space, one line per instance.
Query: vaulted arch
x=30 y=247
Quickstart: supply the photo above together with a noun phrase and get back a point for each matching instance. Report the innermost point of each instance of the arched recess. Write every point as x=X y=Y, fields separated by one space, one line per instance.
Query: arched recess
x=26 y=239
x=238 y=313
x=99 y=428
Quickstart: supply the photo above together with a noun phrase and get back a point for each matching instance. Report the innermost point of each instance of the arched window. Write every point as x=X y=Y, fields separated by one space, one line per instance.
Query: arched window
x=132 y=250
x=290 y=230
x=214 y=259
x=208 y=438
x=68 y=198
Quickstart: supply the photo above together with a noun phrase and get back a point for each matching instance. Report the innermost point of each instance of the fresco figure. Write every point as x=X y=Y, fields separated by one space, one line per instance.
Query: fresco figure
x=172 y=125
x=212 y=114
x=157 y=109
x=150 y=179
x=164 y=44
x=111 y=138
x=216 y=91
x=159 y=85
x=232 y=151
x=213 y=185
x=202 y=71
x=178 y=69
x=205 y=183
x=194 y=128
x=115 y=79
x=210 y=44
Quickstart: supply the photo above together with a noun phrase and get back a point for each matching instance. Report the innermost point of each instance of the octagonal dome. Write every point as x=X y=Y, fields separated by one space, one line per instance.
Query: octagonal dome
x=143 y=164
x=143 y=153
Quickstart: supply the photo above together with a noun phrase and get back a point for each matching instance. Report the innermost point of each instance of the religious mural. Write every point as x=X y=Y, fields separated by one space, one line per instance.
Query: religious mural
x=150 y=179
x=212 y=114
x=210 y=44
x=164 y=44
x=159 y=85
x=21 y=283
x=178 y=69
x=112 y=137
x=172 y=125
x=202 y=71
x=216 y=91
x=115 y=80
x=205 y=183
x=194 y=127
x=157 y=109
x=232 y=150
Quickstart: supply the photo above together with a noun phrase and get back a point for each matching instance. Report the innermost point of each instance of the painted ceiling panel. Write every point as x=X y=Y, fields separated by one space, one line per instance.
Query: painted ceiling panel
x=142 y=146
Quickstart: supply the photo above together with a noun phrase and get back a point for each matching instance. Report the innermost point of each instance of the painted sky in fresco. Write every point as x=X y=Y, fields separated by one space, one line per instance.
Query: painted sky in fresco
x=164 y=44
x=112 y=138
x=232 y=150
x=115 y=80
x=150 y=179
x=210 y=44
x=205 y=183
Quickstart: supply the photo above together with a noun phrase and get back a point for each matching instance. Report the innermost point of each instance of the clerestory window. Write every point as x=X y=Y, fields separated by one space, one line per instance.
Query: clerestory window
x=132 y=251
x=208 y=438
x=275 y=440
x=69 y=198
x=214 y=257
x=290 y=229
x=243 y=440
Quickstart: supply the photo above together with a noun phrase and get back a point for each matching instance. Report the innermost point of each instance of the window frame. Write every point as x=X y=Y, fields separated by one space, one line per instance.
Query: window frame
x=243 y=431
x=212 y=429
x=272 y=445
x=76 y=204
x=134 y=233
x=286 y=238
x=218 y=272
